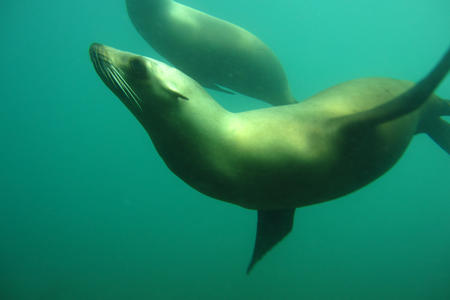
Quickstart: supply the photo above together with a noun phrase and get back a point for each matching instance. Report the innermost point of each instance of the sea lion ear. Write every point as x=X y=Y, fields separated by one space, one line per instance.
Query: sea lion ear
x=178 y=95
x=172 y=91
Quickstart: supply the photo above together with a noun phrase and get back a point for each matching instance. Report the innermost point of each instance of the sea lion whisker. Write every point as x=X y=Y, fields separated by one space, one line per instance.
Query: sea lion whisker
x=124 y=87
x=97 y=63
x=111 y=80
x=133 y=94
x=101 y=66
x=116 y=82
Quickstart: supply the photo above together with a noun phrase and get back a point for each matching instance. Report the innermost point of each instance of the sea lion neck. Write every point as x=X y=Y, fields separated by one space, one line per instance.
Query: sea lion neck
x=187 y=138
x=197 y=117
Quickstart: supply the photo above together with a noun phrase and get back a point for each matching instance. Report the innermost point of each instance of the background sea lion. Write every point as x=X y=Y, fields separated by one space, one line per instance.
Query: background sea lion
x=280 y=158
x=214 y=52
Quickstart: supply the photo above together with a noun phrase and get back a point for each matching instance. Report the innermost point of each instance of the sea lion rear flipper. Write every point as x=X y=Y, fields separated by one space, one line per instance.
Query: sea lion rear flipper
x=272 y=227
x=402 y=104
x=439 y=130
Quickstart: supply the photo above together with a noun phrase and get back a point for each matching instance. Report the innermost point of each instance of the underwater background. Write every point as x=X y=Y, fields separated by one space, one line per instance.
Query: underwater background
x=88 y=210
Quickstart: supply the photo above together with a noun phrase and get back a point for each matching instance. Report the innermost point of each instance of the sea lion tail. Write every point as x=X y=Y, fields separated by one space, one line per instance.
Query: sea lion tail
x=438 y=129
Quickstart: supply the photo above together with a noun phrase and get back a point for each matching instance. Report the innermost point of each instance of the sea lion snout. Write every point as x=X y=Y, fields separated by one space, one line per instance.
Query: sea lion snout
x=96 y=50
x=94 y=47
x=109 y=64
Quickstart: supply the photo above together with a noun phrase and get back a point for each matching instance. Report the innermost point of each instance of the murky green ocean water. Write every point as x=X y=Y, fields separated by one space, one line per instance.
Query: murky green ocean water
x=89 y=211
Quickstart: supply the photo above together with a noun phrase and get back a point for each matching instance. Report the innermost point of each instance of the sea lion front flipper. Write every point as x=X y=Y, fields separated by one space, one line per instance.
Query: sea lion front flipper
x=273 y=226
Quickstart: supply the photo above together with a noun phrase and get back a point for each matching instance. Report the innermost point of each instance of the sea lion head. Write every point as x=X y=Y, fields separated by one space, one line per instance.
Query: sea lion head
x=146 y=86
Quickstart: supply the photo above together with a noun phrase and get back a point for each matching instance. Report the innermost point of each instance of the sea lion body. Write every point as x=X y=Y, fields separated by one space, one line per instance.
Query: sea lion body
x=292 y=156
x=214 y=52
x=276 y=159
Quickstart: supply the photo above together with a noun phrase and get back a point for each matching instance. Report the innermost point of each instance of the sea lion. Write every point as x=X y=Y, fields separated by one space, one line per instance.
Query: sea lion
x=276 y=159
x=214 y=52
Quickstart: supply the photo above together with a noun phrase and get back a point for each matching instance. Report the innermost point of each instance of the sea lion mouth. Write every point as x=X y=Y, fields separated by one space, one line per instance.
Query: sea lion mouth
x=113 y=77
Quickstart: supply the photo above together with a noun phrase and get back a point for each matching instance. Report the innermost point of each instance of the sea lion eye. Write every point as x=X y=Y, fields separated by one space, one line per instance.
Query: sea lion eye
x=138 y=67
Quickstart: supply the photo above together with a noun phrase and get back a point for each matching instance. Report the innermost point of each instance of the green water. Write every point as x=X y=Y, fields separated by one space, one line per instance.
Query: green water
x=89 y=211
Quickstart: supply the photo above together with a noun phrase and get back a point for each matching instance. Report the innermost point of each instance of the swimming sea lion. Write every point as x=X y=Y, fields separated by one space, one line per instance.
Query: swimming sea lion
x=276 y=159
x=214 y=52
